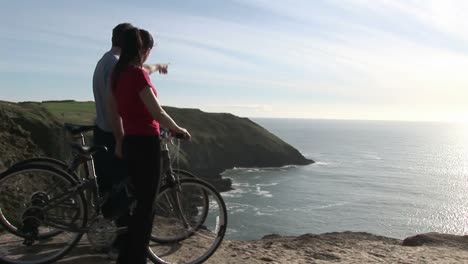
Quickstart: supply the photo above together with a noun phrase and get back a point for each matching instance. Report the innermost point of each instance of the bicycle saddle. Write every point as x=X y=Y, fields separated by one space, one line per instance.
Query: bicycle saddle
x=87 y=150
x=75 y=129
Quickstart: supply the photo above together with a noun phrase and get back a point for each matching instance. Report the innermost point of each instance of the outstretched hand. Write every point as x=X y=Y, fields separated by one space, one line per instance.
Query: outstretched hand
x=162 y=68
x=184 y=133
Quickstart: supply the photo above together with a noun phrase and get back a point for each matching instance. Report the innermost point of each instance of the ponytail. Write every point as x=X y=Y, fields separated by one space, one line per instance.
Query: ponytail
x=130 y=51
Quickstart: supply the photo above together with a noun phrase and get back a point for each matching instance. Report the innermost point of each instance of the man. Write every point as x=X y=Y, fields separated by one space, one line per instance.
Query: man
x=110 y=170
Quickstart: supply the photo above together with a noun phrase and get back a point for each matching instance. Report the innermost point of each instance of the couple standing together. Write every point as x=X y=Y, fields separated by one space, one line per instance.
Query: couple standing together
x=127 y=123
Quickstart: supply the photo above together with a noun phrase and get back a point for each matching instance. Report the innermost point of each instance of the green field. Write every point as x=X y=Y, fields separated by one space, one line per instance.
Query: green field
x=72 y=111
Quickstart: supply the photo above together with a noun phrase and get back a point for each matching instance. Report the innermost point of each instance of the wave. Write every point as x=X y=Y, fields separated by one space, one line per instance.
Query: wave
x=241 y=184
x=321 y=163
x=236 y=193
x=230 y=231
x=371 y=156
x=240 y=208
x=259 y=192
x=263 y=169
x=260 y=213
x=332 y=205
x=266 y=184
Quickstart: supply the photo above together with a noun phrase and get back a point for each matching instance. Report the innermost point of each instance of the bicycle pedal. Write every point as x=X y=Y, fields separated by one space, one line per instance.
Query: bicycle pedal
x=28 y=242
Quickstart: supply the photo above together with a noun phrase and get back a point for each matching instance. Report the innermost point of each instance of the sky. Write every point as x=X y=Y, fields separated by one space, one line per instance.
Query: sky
x=334 y=59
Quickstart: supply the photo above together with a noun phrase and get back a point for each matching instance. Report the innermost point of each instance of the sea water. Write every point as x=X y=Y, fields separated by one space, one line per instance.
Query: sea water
x=389 y=178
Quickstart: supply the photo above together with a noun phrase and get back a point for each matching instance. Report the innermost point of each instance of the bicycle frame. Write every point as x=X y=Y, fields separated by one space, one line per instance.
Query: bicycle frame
x=89 y=186
x=76 y=190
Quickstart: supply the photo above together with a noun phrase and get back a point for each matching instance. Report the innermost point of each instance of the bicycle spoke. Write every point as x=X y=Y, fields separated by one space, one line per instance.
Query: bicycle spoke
x=52 y=188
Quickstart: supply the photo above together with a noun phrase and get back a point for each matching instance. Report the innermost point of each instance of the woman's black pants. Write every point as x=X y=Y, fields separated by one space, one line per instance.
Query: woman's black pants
x=142 y=155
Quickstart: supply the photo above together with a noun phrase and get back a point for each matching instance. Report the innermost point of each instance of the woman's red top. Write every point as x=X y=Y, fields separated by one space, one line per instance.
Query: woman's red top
x=136 y=119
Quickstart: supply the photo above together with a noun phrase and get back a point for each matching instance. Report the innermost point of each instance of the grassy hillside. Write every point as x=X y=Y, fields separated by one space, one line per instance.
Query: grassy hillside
x=72 y=111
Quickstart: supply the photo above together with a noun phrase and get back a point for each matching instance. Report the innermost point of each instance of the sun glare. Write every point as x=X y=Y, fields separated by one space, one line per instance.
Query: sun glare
x=462 y=119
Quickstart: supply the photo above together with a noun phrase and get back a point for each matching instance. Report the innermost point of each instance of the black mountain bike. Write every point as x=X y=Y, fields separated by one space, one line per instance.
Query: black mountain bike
x=46 y=207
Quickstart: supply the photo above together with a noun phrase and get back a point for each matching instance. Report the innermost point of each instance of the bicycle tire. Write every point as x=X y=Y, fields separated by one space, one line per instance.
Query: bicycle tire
x=200 y=242
x=185 y=174
x=65 y=212
x=177 y=173
x=42 y=160
x=47 y=161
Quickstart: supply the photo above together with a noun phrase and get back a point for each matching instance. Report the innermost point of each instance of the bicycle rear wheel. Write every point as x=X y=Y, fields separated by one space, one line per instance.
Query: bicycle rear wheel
x=49 y=162
x=41 y=212
x=46 y=161
x=42 y=160
x=190 y=220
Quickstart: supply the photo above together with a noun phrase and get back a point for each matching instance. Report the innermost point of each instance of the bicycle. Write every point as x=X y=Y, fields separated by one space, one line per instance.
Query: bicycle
x=76 y=133
x=55 y=209
x=81 y=159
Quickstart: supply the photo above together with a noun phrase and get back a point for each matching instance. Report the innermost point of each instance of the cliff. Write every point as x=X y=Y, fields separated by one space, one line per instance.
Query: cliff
x=29 y=130
x=223 y=141
x=220 y=141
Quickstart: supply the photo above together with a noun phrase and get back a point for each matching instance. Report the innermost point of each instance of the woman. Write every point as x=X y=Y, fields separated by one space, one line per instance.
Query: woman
x=136 y=114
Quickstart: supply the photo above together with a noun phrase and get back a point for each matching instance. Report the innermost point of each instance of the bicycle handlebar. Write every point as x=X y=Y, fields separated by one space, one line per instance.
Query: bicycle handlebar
x=180 y=136
x=167 y=133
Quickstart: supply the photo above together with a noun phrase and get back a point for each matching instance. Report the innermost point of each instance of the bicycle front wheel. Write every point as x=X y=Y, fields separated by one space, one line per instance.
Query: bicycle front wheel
x=184 y=174
x=163 y=205
x=42 y=212
x=190 y=222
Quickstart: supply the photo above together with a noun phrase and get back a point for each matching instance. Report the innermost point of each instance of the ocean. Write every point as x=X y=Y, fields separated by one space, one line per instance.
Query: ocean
x=389 y=178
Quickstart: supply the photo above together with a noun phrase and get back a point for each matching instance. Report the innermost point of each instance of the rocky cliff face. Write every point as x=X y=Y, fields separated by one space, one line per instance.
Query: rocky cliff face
x=220 y=141
x=28 y=130
x=224 y=141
